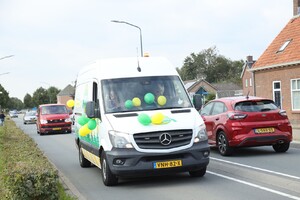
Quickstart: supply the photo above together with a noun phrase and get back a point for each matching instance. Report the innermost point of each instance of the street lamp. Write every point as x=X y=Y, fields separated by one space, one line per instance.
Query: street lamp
x=4 y=73
x=6 y=57
x=123 y=22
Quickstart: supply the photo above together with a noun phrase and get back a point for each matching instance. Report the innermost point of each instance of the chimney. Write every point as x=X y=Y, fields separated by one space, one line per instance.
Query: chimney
x=296 y=8
x=249 y=59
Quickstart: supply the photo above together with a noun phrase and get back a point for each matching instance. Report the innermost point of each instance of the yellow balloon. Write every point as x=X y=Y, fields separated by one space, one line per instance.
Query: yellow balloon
x=84 y=130
x=70 y=103
x=161 y=100
x=136 y=101
x=157 y=118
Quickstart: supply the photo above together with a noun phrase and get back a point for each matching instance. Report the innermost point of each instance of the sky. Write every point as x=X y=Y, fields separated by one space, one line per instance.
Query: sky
x=51 y=40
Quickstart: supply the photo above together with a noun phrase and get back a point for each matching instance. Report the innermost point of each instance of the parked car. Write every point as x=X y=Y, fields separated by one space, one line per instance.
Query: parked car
x=29 y=117
x=13 y=114
x=244 y=122
x=53 y=118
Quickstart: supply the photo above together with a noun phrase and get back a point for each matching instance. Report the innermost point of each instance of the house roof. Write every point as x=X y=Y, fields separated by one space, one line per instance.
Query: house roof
x=226 y=86
x=290 y=55
x=217 y=86
x=69 y=90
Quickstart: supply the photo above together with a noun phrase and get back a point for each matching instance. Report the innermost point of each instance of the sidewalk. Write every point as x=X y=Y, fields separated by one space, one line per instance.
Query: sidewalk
x=296 y=136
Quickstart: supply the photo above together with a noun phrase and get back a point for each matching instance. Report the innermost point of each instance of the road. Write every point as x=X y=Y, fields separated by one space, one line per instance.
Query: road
x=251 y=173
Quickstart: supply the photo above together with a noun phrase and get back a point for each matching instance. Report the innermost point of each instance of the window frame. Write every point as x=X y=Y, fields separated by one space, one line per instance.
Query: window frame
x=292 y=94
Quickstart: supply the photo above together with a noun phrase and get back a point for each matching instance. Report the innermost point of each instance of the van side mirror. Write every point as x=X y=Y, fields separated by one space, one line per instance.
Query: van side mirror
x=197 y=100
x=92 y=110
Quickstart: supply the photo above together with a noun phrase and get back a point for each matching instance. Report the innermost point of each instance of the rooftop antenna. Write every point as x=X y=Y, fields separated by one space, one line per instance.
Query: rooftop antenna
x=138 y=62
x=247 y=97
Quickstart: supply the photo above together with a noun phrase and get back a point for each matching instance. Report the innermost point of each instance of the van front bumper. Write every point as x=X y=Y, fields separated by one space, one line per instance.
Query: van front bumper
x=129 y=162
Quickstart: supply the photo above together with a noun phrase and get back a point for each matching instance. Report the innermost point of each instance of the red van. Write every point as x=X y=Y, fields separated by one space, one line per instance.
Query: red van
x=53 y=118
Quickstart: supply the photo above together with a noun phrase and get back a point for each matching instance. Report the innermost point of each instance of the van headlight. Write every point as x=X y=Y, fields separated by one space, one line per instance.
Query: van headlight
x=119 y=139
x=201 y=134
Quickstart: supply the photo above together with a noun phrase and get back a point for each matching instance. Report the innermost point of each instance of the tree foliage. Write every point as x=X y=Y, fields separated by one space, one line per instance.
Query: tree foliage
x=4 y=98
x=28 y=103
x=43 y=96
x=212 y=67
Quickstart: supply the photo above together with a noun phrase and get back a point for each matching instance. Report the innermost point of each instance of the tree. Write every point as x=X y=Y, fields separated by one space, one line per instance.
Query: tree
x=28 y=102
x=52 y=93
x=4 y=98
x=40 y=96
x=209 y=65
x=15 y=103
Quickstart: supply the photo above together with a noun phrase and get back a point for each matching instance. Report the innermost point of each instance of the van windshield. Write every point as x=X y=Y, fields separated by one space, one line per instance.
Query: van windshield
x=144 y=93
x=55 y=109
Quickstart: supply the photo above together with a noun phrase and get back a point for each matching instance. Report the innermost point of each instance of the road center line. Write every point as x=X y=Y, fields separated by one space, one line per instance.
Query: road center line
x=256 y=168
x=256 y=186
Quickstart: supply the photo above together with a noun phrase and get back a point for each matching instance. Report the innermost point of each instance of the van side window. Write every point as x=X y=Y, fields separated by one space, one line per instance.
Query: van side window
x=95 y=92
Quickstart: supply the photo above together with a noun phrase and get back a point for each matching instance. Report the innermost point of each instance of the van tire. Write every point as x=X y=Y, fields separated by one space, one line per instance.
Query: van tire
x=109 y=179
x=198 y=173
x=82 y=160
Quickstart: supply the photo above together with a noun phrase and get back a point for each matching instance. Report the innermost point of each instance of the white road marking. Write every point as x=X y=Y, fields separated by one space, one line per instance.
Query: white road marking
x=256 y=186
x=256 y=168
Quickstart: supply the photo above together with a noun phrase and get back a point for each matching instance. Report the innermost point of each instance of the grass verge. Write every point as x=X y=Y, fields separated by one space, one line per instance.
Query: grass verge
x=19 y=152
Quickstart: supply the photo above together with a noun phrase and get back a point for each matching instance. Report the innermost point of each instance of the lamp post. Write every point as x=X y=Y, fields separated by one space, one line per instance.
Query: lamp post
x=6 y=57
x=123 y=22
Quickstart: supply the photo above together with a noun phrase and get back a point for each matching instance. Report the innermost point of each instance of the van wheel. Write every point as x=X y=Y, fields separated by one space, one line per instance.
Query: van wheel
x=108 y=178
x=223 y=146
x=198 y=173
x=82 y=160
x=281 y=148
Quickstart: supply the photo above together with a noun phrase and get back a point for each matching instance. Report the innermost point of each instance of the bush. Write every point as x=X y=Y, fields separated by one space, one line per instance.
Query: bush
x=26 y=172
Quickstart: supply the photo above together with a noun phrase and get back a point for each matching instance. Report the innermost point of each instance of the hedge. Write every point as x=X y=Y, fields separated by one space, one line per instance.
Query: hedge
x=26 y=172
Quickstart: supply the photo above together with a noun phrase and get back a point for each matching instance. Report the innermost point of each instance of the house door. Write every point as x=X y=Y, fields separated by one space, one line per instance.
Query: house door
x=277 y=93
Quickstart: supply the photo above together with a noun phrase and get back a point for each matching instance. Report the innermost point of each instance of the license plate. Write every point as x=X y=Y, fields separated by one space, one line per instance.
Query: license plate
x=264 y=130
x=167 y=164
x=56 y=129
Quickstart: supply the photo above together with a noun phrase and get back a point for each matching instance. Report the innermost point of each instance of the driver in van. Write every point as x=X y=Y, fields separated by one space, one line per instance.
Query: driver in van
x=113 y=102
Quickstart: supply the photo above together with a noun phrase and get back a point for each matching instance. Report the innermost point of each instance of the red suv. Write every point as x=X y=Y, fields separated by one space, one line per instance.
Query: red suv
x=246 y=121
x=53 y=118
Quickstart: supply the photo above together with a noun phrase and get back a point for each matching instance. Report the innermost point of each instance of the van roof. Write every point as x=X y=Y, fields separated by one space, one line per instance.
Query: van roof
x=128 y=67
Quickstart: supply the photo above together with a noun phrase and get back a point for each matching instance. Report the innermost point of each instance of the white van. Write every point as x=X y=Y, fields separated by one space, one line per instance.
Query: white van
x=133 y=117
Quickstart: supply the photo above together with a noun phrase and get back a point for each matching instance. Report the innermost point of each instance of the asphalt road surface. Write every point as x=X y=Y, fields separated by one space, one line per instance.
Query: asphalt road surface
x=251 y=173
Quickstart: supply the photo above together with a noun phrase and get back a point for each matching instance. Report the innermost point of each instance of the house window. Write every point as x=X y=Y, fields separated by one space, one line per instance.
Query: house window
x=250 y=82
x=246 y=82
x=295 y=89
x=277 y=93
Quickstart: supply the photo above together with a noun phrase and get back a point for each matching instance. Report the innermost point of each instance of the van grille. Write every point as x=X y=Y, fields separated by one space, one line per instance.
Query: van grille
x=155 y=140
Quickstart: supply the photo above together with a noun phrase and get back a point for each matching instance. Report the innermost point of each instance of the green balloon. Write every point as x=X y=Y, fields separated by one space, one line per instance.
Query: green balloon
x=144 y=119
x=92 y=124
x=149 y=98
x=83 y=120
x=128 y=104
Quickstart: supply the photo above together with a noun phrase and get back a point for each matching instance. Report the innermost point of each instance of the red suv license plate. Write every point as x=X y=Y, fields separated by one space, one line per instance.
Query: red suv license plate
x=264 y=130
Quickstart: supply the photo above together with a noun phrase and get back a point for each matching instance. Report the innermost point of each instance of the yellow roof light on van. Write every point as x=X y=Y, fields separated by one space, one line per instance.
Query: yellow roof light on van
x=146 y=55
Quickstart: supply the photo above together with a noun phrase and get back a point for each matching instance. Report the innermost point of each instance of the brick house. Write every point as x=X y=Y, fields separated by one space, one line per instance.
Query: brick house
x=203 y=88
x=66 y=94
x=276 y=73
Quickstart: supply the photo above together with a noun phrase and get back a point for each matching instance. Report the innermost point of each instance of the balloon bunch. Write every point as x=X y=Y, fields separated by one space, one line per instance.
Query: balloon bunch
x=157 y=119
x=148 y=98
x=87 y=125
